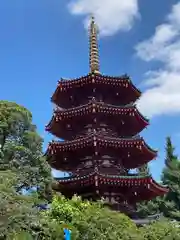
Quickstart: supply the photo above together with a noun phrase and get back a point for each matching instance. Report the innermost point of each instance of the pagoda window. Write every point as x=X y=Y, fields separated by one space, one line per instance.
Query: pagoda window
x=101 y=98
x=89 y=129
x=88 y=164
x=90 y=98
x=89 y=126
x=86 y=159
x=106 y=163
x=107 y=157
x=107 y=199
x=113 y=200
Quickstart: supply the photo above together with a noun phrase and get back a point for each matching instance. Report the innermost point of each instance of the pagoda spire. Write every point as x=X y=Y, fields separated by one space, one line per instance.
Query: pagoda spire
x=93 y=47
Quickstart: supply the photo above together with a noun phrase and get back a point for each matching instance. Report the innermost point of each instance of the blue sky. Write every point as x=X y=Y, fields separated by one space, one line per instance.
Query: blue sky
x=42 y=41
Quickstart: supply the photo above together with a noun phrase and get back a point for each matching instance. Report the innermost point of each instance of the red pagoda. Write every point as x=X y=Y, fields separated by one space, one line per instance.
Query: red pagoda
x=97 y=118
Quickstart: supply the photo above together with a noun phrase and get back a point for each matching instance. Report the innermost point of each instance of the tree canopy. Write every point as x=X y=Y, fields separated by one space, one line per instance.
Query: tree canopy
x=171 y=177
x=16 y=210
x=21 y=147
x=169 y=204
x=86 y=220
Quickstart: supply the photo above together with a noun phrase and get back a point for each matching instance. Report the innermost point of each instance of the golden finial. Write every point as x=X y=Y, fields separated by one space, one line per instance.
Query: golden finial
x=93 y=47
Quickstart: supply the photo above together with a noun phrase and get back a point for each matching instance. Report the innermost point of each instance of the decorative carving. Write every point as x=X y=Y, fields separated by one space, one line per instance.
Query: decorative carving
x=93 y=45
x=144 y=170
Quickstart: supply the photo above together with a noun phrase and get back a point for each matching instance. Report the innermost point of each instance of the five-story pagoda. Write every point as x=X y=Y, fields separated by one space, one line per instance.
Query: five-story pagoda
x=97 y=118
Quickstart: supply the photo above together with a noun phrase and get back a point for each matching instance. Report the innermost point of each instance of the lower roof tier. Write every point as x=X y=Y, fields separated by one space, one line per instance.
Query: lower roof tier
x=67 y=155
x=115 y=90
x=131 y=189
x=124 y=121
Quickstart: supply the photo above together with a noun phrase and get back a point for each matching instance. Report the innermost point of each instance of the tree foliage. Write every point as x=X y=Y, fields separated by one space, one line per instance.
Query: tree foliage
x=19 y=219
x=171 y=177
x=144 y=170
x=89 y=220
x=16 y=211
x=21 y=147
x=169 y=204
x=162 y=230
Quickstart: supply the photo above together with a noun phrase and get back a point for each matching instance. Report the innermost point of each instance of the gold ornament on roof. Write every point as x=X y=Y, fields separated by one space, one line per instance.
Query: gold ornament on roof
x=93 y=47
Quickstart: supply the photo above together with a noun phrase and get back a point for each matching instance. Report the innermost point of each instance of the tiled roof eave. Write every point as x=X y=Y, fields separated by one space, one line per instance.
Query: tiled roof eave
x=100 y=108
x=96 y=78
x=89 y=140
x=105 y=176
x=155 y=185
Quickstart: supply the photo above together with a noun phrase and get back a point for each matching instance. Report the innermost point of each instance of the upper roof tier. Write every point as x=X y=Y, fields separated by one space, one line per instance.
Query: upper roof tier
x=112 y=90
x=125 y=121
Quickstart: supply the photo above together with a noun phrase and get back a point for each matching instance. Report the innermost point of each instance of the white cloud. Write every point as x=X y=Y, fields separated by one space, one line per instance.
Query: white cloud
x=111 y=15
x=163 y=96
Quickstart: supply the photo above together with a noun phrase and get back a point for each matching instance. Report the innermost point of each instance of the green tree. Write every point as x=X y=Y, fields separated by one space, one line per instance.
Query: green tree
x=90 y=221
x=87 y=220
x=16 y=211
x=171 y=178
x=162 y=230
x=144 y=170
x=169 y=204
x=21 y=147
x=152 y=207
x=19 y=218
